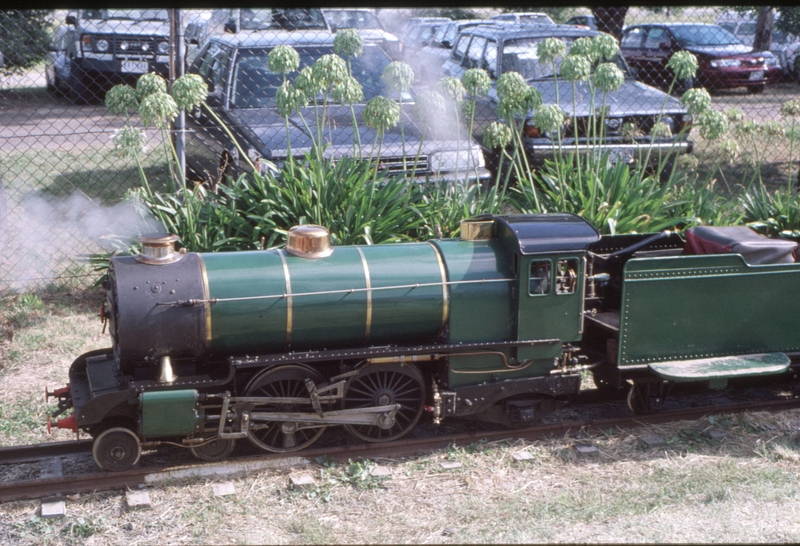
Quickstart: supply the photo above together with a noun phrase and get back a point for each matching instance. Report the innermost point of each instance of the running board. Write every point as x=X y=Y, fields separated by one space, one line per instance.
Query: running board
x=719 y=369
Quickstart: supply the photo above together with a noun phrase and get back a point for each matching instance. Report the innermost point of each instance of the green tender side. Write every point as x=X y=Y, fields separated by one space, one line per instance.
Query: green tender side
x=322 y=313
x=168 y=413
x=698 y=307
x=479 y=311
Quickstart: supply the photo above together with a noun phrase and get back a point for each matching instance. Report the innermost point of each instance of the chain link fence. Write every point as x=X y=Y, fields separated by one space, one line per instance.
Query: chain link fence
x=62 y=182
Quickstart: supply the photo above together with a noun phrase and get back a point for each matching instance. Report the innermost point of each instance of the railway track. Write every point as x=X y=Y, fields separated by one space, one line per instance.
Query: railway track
x=102 y=481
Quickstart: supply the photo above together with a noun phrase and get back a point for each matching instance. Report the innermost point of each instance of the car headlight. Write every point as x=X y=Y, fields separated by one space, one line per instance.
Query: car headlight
x=772 y=60
x=124 y=46
x=451 y=160
x=163 y=48
x=669 y=121
x=101 y=45
x=719 y=63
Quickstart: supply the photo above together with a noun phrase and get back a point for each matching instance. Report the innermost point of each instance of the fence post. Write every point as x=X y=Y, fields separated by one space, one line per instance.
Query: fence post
x=176 y=70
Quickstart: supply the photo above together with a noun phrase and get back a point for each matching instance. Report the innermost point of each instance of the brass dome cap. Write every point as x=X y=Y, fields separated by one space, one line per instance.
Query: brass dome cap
x=309 y=242
x=158 y=249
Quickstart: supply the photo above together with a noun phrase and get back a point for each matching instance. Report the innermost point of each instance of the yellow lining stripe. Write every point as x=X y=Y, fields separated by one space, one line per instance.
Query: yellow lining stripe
x=368 y=286
x=445 y=293
x=288 y=289
x=207 y=296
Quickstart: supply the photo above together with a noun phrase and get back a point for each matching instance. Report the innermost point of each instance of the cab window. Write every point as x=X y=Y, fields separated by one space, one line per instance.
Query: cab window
x=539 y=282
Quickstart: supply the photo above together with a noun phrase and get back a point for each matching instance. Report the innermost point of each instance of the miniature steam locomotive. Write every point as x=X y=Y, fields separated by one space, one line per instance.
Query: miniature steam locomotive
x=277 y=345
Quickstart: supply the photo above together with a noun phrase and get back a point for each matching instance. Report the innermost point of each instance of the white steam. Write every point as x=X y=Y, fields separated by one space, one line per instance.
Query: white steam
x=42 y=239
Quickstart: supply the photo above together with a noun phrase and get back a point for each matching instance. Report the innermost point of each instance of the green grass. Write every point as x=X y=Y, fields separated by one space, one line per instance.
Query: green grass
x=94 y=172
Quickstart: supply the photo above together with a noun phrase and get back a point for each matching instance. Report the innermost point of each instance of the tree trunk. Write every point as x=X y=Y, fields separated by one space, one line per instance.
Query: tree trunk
x=610 y=19
x=763 y=38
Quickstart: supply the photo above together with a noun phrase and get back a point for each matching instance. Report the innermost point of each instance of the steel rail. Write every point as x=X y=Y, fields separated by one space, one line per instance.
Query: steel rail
x=37 y=452
x=65 y=485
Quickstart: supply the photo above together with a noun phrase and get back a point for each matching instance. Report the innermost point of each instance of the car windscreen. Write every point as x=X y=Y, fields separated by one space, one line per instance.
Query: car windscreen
x=254 y=86
x=521 y=56
x=703 y=35
x=285 y=18
x=133 y=14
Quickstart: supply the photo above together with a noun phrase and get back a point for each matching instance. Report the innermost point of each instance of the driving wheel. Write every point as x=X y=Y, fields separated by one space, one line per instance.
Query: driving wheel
x=383 y=385
x=283 y=382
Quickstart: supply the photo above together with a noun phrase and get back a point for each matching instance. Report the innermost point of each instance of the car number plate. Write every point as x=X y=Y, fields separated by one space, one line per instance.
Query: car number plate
x=135 y=67
x=620 y=156
x=757 y=75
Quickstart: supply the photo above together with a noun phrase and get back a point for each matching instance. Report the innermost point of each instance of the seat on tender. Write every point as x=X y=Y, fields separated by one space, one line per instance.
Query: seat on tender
x=754 y=248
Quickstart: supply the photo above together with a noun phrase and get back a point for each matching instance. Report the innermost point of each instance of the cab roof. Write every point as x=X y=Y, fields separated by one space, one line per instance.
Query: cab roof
x=544 y=233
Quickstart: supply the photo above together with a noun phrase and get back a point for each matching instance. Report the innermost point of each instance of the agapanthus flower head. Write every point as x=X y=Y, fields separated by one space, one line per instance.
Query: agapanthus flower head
x=158 y=109
x=122 y=98
x=381 y=113
x=476 y=81
x=189 y=91
x=348 y=43
x=497 y=135
x=283 y=59
x=398 y=76
x=150 y=83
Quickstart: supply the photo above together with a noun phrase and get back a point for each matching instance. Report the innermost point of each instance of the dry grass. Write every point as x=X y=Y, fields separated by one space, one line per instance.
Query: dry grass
x=738 y=484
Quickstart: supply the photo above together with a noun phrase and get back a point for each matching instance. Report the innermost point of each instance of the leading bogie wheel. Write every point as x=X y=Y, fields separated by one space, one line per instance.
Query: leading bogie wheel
x=213 y=450
x=283 y=382
x=384 y=385
x=116 y=449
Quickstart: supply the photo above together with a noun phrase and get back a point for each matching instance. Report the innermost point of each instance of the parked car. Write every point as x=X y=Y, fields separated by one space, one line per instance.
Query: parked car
x=418 y=35
x=99 y=48
x=243 y=95
x=725 y=62
x=499 y=49
x=412 y=21
x=304 y=19
x=523 y=18
x=786 y=47
x=428 y=61
x=368 y=25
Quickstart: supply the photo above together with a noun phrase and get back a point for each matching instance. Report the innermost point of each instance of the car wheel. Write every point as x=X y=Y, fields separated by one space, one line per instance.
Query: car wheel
x=756 y=89
x=78 y=86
